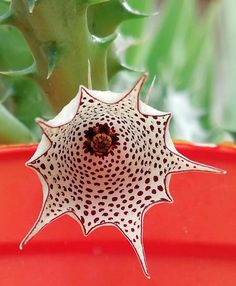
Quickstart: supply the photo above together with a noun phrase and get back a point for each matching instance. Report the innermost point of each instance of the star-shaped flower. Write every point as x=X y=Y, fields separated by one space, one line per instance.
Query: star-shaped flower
x=105 y=160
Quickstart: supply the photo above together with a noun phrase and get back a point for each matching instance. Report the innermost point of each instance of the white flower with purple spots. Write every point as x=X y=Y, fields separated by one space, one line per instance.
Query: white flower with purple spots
x=105 y=159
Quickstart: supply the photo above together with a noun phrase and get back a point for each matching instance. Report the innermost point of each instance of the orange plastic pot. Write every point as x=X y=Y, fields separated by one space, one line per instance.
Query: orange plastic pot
x=191 y=242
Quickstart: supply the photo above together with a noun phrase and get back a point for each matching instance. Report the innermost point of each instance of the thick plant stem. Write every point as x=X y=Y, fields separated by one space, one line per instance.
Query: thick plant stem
x=61 y=44
x=12 y=130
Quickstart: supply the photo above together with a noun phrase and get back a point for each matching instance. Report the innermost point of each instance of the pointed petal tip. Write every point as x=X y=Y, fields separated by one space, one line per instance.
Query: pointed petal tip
x=144 y=76
x=44 y=126
x=220 y=171
x=147 y=276
x=30 y=163
x=41 y=123
x=211 y=169
x=39 y=120
x=167 y=199
x=145 y=271
x=22 y=244
x=83 y=88
x=168 y=116
x=140 y=82
x=27 y=164
x=24 y=241
x=170 y=200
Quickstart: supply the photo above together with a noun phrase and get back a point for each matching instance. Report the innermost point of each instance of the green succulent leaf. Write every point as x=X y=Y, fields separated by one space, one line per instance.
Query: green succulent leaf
x=135 y=44
x=14 y=51
x=27 y=102
x=5 y=13
x=12 y=130
x=52 y=51
x=116 y=12
x=6 y=18
x=28 y=72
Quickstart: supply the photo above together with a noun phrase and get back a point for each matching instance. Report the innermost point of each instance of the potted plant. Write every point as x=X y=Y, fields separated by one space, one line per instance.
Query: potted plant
x=76 y=46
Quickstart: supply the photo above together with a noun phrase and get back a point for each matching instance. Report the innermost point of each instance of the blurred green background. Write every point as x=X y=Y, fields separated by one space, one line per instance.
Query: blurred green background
x=189 y=46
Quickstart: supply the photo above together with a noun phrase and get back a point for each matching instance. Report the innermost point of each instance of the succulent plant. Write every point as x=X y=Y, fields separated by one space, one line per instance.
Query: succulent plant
x=72 y=44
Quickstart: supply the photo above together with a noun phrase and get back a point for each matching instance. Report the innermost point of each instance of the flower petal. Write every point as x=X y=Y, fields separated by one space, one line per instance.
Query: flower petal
x=105 y=159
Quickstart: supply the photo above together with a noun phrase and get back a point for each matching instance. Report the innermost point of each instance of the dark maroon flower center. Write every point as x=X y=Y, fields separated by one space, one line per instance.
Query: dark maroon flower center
x=101 y=143
x=101 y=139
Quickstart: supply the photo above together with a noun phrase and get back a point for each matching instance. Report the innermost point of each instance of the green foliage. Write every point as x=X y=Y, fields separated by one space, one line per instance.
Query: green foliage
x=227 y=88
x=103 y=26
x=48 y=47
x=21 y=100
x=181 y=51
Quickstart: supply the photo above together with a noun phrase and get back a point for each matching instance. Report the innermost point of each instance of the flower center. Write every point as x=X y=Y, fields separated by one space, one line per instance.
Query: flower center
x=100 y=140
x=101 y=143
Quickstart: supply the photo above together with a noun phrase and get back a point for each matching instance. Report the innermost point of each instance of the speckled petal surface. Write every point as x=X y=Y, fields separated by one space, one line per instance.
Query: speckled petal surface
x=105 y=159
